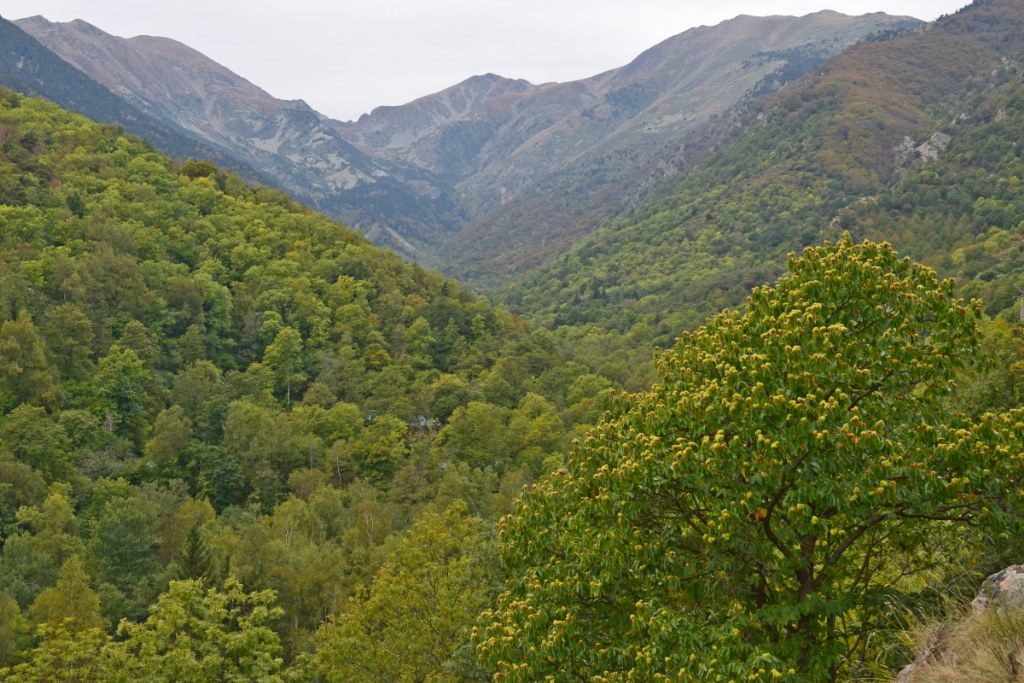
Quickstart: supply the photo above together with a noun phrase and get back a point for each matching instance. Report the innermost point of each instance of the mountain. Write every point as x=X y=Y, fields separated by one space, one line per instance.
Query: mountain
x=413 y=176
x=396 y=204
x=555 y=146
x=27 y=66
x=911 y=140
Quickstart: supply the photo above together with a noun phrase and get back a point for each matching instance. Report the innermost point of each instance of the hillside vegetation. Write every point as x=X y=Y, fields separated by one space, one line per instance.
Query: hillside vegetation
x=201 y=380
x=802 y=166
x=239 y=442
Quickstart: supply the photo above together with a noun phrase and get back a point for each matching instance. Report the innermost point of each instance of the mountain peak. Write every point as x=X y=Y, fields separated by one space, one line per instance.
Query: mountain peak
x=38 y=22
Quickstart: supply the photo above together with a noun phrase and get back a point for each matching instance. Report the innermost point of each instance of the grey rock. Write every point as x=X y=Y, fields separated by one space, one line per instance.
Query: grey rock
x=1003 y=589
x=935 y=145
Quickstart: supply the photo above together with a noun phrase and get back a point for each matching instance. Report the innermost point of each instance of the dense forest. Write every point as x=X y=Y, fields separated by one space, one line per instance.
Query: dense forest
x=239 y=442
x=203 y=382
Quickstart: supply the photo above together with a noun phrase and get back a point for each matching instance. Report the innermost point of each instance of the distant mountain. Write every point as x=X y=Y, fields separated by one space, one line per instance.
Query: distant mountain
x=395 y=203
x=28 y=66
x=538 y=156
x=913 y=140
x=509 y=166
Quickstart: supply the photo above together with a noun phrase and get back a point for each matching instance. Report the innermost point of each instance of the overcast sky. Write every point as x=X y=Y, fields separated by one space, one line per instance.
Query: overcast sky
x=345 y=57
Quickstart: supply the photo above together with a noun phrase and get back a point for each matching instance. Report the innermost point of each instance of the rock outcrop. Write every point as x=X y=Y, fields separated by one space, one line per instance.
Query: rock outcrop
x=1004 y=589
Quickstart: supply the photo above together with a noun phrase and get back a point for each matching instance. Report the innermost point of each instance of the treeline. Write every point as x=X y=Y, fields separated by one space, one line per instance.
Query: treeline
x=214 y=402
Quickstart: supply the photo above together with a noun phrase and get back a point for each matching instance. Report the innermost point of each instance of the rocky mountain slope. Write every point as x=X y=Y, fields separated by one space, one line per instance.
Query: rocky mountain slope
x=530 y=159
x=494 y=135
x=413 y=176
x=27 y=66
x=911 y=140
x=397 y=204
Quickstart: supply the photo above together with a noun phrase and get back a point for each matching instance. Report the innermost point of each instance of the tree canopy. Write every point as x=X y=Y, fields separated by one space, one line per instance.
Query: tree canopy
x=794 y=470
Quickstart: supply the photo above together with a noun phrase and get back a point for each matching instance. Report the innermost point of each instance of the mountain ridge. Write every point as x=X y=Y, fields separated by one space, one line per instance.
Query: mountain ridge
x=413 y=176
x=794 y=171
x=286 y=138
x=28 y=66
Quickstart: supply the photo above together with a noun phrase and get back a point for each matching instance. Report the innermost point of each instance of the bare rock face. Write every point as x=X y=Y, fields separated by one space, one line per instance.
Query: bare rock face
x=906 y=154
x=933 y=146
x=1003 y=589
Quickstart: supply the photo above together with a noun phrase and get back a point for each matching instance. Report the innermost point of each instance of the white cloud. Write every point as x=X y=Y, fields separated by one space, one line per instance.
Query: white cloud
x=346 y=57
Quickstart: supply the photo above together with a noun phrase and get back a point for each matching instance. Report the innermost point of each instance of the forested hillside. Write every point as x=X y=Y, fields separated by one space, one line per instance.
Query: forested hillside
x=239 y=442
x=806 y=475
x=203 y=382
x=868 y=134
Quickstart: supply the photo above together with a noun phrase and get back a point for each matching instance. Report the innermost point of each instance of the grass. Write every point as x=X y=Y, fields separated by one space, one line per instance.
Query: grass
x=981 y=647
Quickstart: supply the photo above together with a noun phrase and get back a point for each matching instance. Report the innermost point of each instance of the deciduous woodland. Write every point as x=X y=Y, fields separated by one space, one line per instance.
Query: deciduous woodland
x=764 y=420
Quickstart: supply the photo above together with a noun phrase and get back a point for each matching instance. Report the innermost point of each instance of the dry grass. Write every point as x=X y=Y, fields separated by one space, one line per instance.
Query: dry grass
x=985 y=647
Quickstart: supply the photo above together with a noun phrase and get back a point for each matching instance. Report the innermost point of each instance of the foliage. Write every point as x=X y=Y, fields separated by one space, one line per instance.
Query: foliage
x=793 y=474
x=201 y=380
x=413 y=620
x=198 y=634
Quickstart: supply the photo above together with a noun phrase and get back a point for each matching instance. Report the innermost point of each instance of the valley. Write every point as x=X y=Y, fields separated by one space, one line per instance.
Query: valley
x=706 y=367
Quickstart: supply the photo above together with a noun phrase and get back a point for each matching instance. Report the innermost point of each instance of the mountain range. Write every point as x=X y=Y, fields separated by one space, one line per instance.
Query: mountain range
x=880 y=137
x=239 y=440
x=443 y=179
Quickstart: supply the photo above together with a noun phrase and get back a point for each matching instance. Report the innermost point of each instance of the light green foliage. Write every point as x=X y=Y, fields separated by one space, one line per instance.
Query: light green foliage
x=171 y=434
x=124 y=391
x=64 y=654
x=790 y=477
x=71 y=602
x=197 y=634
x=414 y=618
x=284 y=356
x=192 y=634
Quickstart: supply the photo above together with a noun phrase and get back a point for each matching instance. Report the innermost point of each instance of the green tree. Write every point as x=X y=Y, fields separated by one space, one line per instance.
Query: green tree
x=171 y=433
x=64 y=654
x=32 y=558
x=70 y=602
x=124 y=547
x=37 y=440
x=758 y=513
x=410 y=624
x=419 y=339
x=123 y=387
x=194 y=560
x=284 y=356
x=15 y=634
x=197 y=634
x=24 y=374
x=70 y=335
